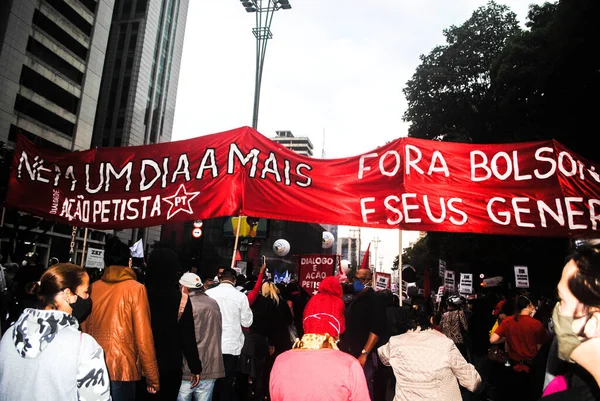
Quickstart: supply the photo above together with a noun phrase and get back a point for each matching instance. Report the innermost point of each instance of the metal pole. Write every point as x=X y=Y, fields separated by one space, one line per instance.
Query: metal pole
x=400 y=264
x=237 y=237
x=85 y=235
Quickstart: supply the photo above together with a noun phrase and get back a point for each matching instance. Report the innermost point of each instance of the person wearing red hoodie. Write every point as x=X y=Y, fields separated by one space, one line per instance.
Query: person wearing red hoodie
x=324 y=372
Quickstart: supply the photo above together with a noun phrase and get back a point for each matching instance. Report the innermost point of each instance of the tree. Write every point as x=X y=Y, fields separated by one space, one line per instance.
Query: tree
x=492 y=83
x=544 y=77
x=450 y=96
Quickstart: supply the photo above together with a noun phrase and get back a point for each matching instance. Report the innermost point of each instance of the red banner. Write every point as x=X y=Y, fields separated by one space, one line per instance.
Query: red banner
x=312 y=269
x=534 y=188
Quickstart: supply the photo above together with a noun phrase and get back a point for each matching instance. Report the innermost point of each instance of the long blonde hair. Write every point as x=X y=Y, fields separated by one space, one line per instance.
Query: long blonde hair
x=270 y=290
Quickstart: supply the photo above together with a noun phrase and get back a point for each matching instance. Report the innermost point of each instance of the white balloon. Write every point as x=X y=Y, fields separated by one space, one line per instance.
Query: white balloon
x=281 y=247
x=345 y=264
x=328 y=239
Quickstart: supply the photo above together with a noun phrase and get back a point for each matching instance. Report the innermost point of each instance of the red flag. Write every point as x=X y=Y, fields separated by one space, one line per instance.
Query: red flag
x=365 y=261
x=426 y=284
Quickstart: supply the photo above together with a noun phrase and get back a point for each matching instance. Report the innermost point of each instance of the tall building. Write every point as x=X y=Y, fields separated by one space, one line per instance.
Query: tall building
x=51 y=58
x=140 y=78
x=141 y=73
x=301 y=145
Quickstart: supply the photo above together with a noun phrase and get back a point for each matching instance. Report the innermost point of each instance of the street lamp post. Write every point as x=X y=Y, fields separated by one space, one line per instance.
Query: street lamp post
x=376 y=242
x=264 y=10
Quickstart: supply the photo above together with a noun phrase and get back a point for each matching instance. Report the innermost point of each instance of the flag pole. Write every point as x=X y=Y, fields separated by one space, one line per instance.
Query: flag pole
x=237 y=237
x=85 y=235
x=400 y=265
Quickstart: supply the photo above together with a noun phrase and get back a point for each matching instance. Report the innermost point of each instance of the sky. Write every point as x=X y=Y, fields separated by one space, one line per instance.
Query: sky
x=334 y=71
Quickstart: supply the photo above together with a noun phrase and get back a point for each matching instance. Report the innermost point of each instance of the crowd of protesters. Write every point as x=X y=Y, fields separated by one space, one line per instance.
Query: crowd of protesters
x=162 y=334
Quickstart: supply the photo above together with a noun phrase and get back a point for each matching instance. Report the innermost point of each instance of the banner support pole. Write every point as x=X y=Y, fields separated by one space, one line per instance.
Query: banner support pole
x=400 y=265
x=237 y=237
x=85 y=235
x=3 y=215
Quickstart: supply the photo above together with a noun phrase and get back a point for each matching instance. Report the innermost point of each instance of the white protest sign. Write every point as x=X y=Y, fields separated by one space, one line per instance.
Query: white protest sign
x=449 y=281
x=466 y=283
x=95 y=258
x=442 y=268
x=242 y=266
x=383 y=281
x=440 y=294
x=521 y=277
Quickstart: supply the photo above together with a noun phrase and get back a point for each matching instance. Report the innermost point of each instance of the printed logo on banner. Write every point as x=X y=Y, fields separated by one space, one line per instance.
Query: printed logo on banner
x=521 y=277
x=313 y=269
x=181 y=201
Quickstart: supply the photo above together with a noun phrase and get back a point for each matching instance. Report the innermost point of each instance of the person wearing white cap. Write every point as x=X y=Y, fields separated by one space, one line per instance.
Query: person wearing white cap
x=208 y=327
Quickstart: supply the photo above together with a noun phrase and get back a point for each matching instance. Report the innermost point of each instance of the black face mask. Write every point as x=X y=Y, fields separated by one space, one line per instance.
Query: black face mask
x=81 y=308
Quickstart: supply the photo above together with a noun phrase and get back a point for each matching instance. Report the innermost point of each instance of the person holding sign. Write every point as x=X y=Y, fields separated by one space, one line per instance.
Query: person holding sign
x=315 y=369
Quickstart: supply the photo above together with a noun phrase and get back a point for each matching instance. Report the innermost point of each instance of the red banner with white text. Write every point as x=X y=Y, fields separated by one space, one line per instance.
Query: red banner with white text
x=533 y=188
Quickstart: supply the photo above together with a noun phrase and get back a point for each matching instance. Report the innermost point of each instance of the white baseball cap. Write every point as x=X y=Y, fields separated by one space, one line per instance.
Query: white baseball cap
x=190 y=280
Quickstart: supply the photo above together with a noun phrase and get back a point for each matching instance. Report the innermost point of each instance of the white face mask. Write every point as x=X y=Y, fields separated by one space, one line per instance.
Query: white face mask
x=24 y=263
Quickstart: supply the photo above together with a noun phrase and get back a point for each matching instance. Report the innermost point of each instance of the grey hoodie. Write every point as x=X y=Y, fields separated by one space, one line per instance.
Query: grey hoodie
x=45 y=350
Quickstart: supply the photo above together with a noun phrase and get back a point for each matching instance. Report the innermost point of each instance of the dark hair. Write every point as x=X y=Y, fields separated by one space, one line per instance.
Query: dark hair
x=241 y=279
x=163 y=265
x=229 y=274
x=386 y=296
x=585 y=283
x=420 y=316
x=54 y=280
x=521 y=303
x=116 y=253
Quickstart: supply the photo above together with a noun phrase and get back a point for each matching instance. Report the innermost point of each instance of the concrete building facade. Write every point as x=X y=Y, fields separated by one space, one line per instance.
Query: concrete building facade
x=51 y=63
x=301 y=145
x=140 y=78
x=51 y=59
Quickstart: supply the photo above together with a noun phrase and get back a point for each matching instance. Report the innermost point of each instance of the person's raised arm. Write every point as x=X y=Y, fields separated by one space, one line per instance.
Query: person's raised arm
x=252 y=295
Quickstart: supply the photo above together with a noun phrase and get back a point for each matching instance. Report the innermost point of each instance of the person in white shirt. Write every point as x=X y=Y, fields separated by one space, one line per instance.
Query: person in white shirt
x=236 y=313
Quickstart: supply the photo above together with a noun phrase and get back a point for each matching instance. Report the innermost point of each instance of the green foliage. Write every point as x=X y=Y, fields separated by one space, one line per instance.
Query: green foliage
x=546 y=79
x=450 y=96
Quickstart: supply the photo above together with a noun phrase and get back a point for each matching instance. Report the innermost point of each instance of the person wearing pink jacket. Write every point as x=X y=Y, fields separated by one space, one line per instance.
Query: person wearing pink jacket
x=315 y=369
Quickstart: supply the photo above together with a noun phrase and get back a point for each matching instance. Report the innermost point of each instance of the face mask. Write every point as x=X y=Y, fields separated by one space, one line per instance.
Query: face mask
x=358 y=286
x=81 y=308
x=24 y=263
x=567 y=339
